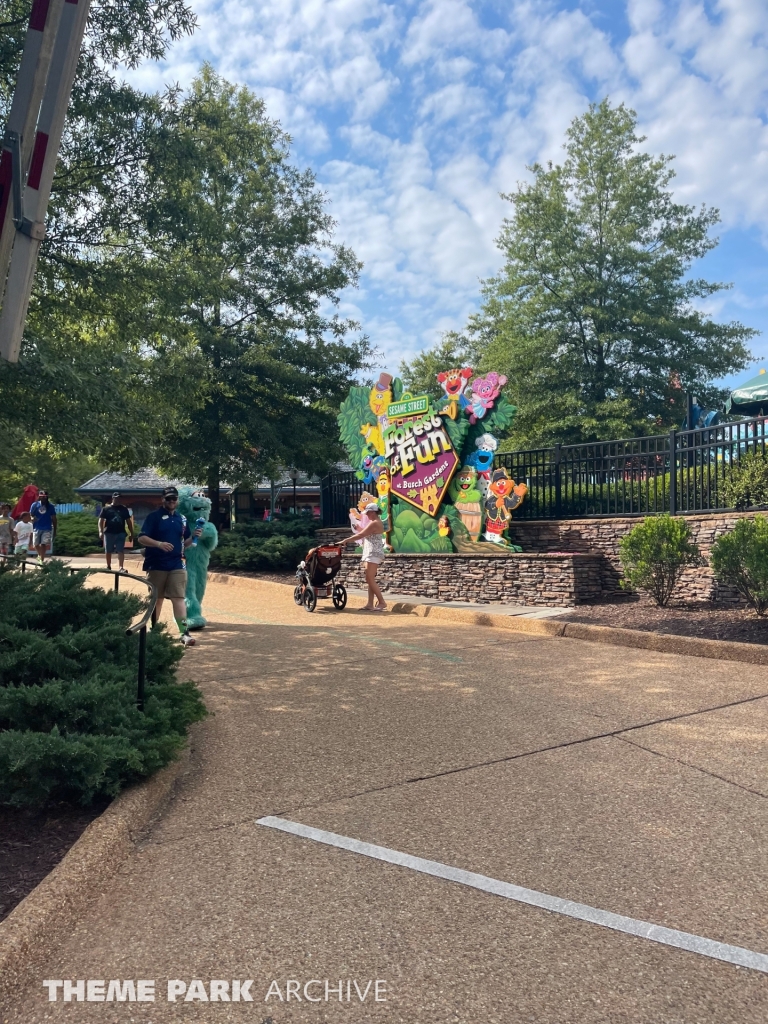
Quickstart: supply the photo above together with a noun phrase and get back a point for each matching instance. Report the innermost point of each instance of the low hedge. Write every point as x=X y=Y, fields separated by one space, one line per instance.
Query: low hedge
x=265 y=546
x=77 y=533
x=740 y=558
x=654 y=555
x=69 y=726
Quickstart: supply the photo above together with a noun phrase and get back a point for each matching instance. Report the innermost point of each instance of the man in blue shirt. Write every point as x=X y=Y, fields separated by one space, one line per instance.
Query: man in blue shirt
x=45 y=523
x=164 y=536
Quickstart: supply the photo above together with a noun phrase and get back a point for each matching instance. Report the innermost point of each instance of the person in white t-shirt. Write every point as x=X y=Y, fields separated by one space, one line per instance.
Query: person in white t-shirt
x=22 y=534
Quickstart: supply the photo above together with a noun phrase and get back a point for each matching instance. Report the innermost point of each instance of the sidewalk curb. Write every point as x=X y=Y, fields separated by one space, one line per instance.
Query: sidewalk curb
x=33 y=927
x=664 y=643
x=516 y=623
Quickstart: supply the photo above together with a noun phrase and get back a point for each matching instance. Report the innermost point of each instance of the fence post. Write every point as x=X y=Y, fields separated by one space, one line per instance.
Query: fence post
x=142 y=667
x=673 y=472
x=558 y=485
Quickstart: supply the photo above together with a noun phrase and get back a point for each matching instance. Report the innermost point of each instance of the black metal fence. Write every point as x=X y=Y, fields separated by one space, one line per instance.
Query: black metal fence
x=681 y=472
x=339 y=492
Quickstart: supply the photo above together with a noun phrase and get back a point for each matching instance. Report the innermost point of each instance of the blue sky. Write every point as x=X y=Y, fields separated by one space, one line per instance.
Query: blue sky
x=415 y=115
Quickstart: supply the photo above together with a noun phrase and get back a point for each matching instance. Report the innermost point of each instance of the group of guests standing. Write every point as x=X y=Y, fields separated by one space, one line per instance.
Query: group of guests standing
x=22 y=528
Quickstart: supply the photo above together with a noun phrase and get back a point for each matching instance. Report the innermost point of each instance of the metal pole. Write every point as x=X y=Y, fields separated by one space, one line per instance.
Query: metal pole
x=558 y=485
x=142 y=667
x=673 y=472
x=20 y=128
x=117 y=583
x=294 y=497
x=45 y=154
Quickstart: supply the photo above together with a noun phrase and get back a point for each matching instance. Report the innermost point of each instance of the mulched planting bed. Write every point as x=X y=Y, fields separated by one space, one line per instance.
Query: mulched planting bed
x=704 y=621
x=32 y=843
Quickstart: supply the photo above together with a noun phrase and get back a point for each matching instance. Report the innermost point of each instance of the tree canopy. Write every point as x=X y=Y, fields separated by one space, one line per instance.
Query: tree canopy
x=80 y=386
x=241 y=245
x=183 y=313
x=594 y=316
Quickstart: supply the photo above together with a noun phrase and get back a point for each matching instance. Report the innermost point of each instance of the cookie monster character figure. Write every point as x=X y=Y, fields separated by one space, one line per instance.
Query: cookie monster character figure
x=482 y=460
x=193 y=507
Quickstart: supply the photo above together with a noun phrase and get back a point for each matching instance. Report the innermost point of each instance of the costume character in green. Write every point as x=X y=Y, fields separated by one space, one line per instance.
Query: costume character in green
x=193 y=507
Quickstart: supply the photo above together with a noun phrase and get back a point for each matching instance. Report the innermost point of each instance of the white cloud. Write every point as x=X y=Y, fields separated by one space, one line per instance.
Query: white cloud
x=417 y=113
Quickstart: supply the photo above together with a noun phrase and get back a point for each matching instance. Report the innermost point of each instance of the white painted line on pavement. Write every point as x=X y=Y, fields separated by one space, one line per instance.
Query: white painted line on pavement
x=630 y=925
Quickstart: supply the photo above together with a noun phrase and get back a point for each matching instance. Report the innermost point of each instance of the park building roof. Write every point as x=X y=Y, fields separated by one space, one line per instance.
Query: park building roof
x=143 y=481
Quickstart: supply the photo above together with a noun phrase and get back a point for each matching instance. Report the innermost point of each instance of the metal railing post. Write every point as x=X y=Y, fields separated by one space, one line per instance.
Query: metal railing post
x=142 y=667
x=117 y=583
x=558 y=485
x=673 y=472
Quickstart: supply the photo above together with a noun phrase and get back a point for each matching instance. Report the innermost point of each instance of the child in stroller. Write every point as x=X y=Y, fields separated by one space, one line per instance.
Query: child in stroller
x=316 y=577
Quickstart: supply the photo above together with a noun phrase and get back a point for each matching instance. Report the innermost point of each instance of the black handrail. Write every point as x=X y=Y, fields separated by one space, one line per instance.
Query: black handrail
x=139 y=627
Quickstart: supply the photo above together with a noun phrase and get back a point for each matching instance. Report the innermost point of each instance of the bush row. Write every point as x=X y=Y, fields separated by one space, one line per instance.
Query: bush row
x=265 y=546
x=656 y=552
x=77 y=534
x=69 y=726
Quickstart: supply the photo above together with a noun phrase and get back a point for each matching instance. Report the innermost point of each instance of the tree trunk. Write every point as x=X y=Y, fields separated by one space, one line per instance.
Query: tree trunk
x=214 y=493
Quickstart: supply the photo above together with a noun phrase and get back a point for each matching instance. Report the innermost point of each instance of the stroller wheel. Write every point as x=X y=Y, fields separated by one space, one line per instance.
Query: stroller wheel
x=339 y=597
x=310 y=599
x=297 y=595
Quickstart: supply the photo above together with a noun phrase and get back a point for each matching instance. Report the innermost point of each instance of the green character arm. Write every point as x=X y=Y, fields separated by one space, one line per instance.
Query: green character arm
x=210 y=537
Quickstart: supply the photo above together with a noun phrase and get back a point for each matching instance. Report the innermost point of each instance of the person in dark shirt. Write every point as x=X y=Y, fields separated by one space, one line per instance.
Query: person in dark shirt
x=112 y=523
x=164 y=536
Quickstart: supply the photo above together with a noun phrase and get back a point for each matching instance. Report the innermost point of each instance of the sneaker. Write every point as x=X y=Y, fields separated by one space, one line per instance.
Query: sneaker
x=187 y=640
x=123 y=572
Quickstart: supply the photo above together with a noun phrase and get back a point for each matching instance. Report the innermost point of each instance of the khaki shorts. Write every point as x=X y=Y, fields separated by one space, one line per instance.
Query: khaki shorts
x=168 y=584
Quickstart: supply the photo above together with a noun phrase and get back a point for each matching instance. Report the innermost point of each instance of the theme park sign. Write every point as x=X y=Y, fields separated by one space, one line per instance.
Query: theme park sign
x=421 y=457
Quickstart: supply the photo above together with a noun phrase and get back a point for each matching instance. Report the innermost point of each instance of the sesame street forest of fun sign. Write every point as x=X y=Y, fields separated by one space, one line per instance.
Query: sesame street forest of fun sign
x=421 y=458
x=429 y=461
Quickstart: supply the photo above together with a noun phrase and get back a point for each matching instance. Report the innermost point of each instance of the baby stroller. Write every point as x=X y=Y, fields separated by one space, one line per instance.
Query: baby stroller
x=316 y=577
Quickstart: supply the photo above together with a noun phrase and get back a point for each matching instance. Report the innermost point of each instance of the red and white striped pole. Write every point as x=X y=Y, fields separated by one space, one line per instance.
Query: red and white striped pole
x=20 y=128
x=45 y=153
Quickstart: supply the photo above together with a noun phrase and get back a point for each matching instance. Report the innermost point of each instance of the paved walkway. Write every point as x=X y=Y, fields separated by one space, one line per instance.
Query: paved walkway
x=630 y=782
x=133 y=563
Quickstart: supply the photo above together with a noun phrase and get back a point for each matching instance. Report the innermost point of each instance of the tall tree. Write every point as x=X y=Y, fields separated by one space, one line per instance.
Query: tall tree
x=593 y=317
x=242 y=244
x=82 y=382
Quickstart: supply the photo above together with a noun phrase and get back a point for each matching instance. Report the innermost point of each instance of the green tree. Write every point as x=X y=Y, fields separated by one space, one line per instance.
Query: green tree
x=58 y=472
x=83 y=384
x=593 y=317
x=248 y=276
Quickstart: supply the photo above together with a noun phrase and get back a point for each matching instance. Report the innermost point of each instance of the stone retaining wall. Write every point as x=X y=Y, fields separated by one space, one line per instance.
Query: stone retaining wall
x=603 y=536
x=546 y=580
x=521 y=579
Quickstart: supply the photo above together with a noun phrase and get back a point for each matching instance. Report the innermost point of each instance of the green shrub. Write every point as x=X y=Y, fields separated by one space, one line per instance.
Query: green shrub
x=265 y=546
x=740 y=557
x=654 y=555
x=747 y=482
x=69 y=726
x=77 y=533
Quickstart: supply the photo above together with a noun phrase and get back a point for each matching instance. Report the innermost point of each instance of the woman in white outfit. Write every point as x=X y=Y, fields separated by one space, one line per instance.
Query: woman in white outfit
x=372 y=537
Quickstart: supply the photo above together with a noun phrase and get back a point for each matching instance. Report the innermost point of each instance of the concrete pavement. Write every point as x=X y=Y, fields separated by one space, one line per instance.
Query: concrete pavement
x=631 y=781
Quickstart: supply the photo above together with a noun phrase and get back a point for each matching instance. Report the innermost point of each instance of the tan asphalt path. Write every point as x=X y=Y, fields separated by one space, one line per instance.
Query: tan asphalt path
x=529 y=759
